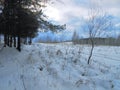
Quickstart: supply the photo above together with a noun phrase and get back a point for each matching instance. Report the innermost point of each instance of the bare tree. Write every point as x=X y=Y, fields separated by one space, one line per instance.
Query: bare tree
x=97 y=23
x=75 y=37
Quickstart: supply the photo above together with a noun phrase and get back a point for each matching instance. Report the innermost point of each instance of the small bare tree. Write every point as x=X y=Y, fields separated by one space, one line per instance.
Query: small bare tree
x=75 y=37
x=97 y=23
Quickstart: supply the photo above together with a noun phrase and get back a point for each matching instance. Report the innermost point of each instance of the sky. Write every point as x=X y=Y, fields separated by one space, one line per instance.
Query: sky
x=73 y=13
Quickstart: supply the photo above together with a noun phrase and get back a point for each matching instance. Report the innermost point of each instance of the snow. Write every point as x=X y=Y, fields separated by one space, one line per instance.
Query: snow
x=59 y=67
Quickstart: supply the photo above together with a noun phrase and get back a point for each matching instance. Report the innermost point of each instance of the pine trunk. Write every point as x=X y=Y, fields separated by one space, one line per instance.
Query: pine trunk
x=10 y=41
x=5 y=40
x=18 y=44
x=14 y=41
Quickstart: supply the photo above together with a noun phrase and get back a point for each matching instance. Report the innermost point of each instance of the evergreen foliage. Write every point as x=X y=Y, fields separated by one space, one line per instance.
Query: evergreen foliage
x=20 y=20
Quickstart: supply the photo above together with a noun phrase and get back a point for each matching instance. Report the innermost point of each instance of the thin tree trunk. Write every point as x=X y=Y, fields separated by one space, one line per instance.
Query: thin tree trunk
x=30 y=41
x=10 y=41
x=5 y=40
x=91 y=51
x=14 y=41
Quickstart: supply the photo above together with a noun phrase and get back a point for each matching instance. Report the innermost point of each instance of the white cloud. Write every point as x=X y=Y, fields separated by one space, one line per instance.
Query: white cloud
x=69 y=9
x=53 y=13
x=66 y=11
x=110 y=6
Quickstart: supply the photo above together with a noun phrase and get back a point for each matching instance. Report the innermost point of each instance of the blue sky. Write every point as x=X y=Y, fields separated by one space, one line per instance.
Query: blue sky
x=74 y=12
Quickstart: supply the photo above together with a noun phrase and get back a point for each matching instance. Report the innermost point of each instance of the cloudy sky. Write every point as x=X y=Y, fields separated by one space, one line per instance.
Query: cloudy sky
x=74 y=12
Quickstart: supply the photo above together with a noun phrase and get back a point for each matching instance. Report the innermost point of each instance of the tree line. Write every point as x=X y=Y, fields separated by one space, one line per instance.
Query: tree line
x=21 y=19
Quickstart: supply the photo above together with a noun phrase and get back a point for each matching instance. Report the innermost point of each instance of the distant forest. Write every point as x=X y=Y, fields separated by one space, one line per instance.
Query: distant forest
x=99 y=41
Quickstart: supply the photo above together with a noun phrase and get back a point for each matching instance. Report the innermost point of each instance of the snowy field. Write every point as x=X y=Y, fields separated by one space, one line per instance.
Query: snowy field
x=59 y=67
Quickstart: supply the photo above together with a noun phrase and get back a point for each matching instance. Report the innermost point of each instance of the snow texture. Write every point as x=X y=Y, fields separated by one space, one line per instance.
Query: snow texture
x=59 y=67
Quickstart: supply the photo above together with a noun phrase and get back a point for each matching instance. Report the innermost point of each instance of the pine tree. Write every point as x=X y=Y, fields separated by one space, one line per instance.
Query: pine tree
x=20 y=19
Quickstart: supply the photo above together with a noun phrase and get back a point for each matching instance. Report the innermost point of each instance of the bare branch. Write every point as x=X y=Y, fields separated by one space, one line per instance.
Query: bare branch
x=97 y=23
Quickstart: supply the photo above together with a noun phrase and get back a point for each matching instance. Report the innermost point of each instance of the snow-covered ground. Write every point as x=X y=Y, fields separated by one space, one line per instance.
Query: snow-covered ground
x=59 y=67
